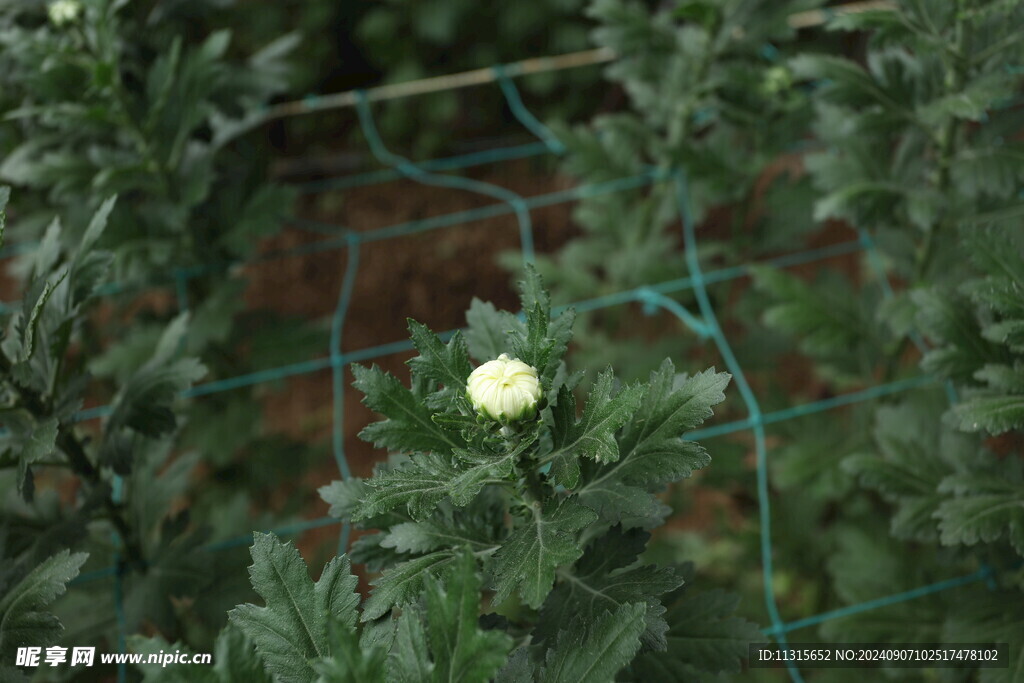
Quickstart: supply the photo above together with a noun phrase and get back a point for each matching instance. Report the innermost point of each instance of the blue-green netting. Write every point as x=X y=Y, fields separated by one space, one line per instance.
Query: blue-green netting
x=705 y=325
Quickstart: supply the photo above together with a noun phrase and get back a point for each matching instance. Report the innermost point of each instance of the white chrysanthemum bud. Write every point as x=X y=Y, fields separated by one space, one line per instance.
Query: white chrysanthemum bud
x=64 y=11
x=505 y=389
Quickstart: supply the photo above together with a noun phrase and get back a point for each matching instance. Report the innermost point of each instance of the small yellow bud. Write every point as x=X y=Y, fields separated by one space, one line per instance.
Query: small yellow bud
x=505 y=389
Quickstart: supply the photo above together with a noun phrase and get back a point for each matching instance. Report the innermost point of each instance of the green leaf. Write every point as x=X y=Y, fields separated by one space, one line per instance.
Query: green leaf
x=24 y=620
x=593 y=436
x=603 y=580
x=459 y=649
x=630 y=506
x=144 y=401
x=402 y=584
x=485 y=467
x=291 y=631
x=447 y=364
x=420 y=484
x=425 y=537
x=828 y=318
x=948 y=319
x=985 y=509
x=703 y=637
x=986 y=616
x=527 y=561
x=234 y=659
x=408 y=426
x=489 y=329
x=155 y=673
x=344 y=496
x=594 y=651
x=34 y=439
x=993 y=414
x=410 y=655
x=28 y=342
x=651 y=447
x=352 y=660
x=97 y=224
x=5 y=196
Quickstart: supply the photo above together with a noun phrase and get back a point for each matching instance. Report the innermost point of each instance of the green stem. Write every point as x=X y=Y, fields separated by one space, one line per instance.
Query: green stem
x=79 y=462
x=956 y=76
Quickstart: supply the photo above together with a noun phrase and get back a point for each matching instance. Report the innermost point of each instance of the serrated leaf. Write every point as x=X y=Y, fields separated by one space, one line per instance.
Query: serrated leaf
x=418 y=485
x=447 y=364
x=410 y=656
x=291 y=631
x=344 y=496
x=631 y=506
x=24 y=620
x=144 y=401
x=488 y=334
x=593 y=436
x=594 y=651
x=408 y=426
x=703 y=637
x=459 y=649
x=154 y=673
x=652 y=451
x=603 y=579
x=989 y=616
x=351 y=660
x=485 y=468
x=527 y=561
x=985 y=509
x=424 y=537
x=402 y=584
x=28 y=341
x=97 y=224
x=993 y=414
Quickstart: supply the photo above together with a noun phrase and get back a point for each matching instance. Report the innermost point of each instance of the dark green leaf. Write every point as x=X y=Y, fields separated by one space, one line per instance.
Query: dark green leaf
x=409 y=426
x=594 y=651
x=291 y=631
x=527 y=561
x=24 y=621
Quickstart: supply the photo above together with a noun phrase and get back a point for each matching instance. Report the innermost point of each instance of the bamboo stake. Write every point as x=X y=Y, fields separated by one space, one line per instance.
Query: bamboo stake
x=465 y=79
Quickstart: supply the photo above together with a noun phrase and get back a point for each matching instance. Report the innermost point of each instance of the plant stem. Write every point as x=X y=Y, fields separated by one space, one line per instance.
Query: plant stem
x=79 y=462
x=956 y=76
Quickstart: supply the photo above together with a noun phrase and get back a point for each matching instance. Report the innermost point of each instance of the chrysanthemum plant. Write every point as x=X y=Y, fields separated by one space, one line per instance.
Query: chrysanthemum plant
x=506 y=529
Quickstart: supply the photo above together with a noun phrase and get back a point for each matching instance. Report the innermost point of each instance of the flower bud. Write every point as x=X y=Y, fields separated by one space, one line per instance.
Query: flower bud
x=505 y=389
x=64 y=11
